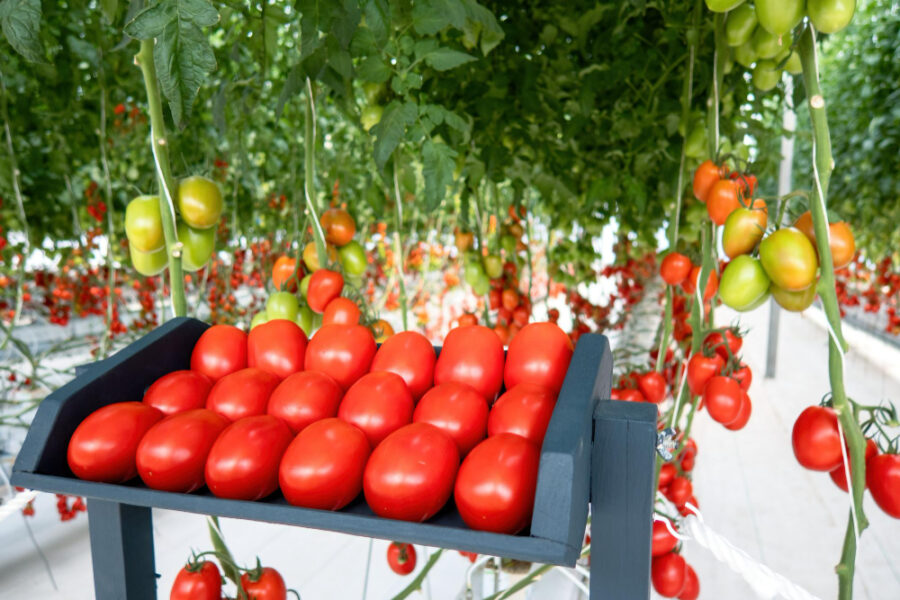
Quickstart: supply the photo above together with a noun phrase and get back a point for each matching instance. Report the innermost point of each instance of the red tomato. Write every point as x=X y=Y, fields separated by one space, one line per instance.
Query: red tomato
x=410 y=355
x=675 y=268
x=344 y=352
x=668 y=574
x=630 y=395
x=521 y=316
x=379 y=404
x=680 y=491
x=304 y=398
x=494 y=299
x=466 y=319
x=689 y=285
x=524 y=410
x=178 y=391
x=324 y=286
x=172 y=454
x=743 y=414
x=722 y=398
x=401 y=558
x=496 y=484
x=323 y=467
x=410 y=475
x=700 y=369
x=883 y=478
x=817 y=444
x=663 y=541
x=539 y=354
x=243 y=462
x=704 y=178
x=839 y=476
x=456 y=409
x=744 y=376
x=197 y=582
x=685 y=511
x=104 y=444
x=268 y=585
x=242 y=394
x=666 y=474
x=222 y=349
x=715 y=342
x=341 y=311
x=722 y=200
x=509 y=299
x=472 y=355
x=277 y=346
x=652 y=386
x=691 y=589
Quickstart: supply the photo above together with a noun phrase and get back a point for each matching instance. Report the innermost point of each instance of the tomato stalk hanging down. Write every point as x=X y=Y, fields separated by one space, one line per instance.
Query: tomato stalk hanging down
x=822 y=167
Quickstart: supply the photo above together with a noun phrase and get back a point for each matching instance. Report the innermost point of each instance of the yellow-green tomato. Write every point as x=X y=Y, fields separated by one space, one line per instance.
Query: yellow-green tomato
x=493 y=266
x=353 y=258
x=765 y=44
x=695 y=144
x=792 y=65
x=198 y=246
x=282 y=305
x=743 y=283
x=143 y=224
x=258 y=319
x=305 y=320
x=199 y=201
x=740 y=24
x=779 y=17
x=304 y=284
x=721 y=6
x=371 y=116
x=148 y=263
x=744 y=228
x=789 y=259
x=766 y=75
x=793 y=301
x=745 y=54
x=830 y=16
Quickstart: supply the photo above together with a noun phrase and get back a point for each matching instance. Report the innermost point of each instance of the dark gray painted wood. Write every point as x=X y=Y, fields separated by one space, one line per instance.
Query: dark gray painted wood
x=121 y=551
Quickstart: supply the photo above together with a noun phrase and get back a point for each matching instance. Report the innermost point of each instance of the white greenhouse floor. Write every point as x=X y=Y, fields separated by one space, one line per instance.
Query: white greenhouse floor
x=750 y=488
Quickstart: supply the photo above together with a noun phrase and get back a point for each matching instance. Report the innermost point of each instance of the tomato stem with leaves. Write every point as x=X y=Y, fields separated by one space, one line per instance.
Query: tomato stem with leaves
x=309 y=188
x=159 y=144
x=398 y=246
x=823 y=164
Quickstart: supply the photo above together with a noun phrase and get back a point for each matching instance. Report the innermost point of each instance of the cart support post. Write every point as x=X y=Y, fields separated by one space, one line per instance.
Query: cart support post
x=121 y=551
x=622 y=465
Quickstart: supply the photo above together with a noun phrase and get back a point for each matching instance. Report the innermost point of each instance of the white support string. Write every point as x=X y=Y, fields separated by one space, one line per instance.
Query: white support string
x=16 y=503
x=849 y=481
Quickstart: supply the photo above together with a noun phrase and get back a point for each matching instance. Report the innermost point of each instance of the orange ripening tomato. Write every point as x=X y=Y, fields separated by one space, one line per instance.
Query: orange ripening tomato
x=704 y=177
x=382 y=330
x=689 y=285
x=282 y=274
x=339 y=226
x=842 y=242
x=722 y=200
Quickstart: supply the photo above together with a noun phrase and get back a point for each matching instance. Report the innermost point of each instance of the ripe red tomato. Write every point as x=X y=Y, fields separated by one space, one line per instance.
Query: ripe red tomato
x=883 y=478
x=472 y=355
x=243 y=462
x=674 y=268
x=458 y=410
x=700 y=369
x=466 y=319
x=344 y=352
x=323 y=467
x=379 y=404
x=722 y=398
x=714 y=341
x=628 y=395
x=496 y=483
x=839 y=476
x=689 y=285
x=743 y=416
x=178 y=391
x=304 y=398
x=410 y=355
x=704 y=178
x=663 y=541
x=222 y=349
x=525 y=410
x=338 y=225
x=521 y=316
x=691 y=590
x=722 y=200
x=244 y=393
x=668 y=574
x=267 y=585
x=817 y=444
x=509 y=299
x=401 y=558
x=324 y=286
x=277 y=346
x=652 y=386
x=341 y=311
x=666 y=474
x=197 y=582
x=410 y=475
x=680 y=491
x=104 y=444
x=172 y=454
x=539 y=354
x=744 y=376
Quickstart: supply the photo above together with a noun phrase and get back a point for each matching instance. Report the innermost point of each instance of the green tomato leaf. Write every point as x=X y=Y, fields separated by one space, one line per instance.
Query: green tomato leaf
x=480 y=25
x=378 y=15
x=110 y=9
x=444 y=59
x=315 y=16
x=21 y=23
x=437 y=169
x=373 y=69
x=431 y=16
x=391 y=128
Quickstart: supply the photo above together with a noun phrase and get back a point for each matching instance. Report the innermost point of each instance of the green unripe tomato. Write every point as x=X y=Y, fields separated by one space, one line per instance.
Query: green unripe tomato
x=778 y=17
x=743 y=283
x=200 y=202
x=695 y=145
x=305 y=320
x=198 y=246
x=493 y=266
x=482 y=285
x=304 y=284
x=258 y=319
x=373 y=92
x=794 y=301
x=508 y=243
x=766 y=75
x=143 y=224
x=474 y=273
x=721 y=6
x=765 y=45
x=793 y=65
x=830 y=16
x=282 y=305
x=739 y=25
x=745 y=54
x=353 y=258
x=148 y=263
x=371 y=116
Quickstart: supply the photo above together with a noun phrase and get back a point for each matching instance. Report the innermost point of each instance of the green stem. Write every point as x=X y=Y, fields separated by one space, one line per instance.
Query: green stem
x=110 y=221
x=823 y=164
x=521 y=584
x=398 y=246
x=720 y=57
x=160 y=147
x=309 y=163
x=416 y=584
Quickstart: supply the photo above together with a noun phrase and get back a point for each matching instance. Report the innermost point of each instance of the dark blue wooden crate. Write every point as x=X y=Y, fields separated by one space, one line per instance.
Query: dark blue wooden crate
x=561 y=502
